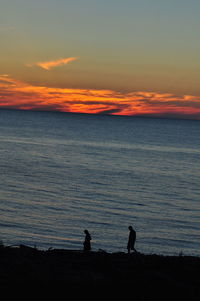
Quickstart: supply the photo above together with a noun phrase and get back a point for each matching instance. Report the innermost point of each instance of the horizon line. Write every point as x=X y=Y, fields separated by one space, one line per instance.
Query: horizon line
x=146 y=116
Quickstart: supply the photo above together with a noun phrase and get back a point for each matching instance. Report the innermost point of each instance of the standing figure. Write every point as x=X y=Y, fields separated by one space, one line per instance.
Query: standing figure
x=86 y=244
x=131 y=240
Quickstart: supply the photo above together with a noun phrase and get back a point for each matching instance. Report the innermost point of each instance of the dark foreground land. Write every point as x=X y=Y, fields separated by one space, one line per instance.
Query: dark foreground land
x=144 y=277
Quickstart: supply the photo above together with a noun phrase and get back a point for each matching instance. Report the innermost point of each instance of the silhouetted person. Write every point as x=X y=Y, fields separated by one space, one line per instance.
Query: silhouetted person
x=86 y=244
x=131 y=240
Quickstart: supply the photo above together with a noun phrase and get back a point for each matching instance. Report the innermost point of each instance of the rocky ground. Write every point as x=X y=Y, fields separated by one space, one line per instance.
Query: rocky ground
x=143 y=277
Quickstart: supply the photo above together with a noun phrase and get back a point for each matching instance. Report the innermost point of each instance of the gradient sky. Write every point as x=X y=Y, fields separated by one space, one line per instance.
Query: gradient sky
x=130 y=57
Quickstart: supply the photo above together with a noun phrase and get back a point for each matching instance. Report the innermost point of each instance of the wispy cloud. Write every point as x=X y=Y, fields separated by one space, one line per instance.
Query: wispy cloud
x=20 y=95
x=55 y=63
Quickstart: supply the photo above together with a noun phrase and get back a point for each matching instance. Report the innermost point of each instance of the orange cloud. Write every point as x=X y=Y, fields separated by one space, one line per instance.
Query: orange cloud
x=20 y=95
x=50 y=64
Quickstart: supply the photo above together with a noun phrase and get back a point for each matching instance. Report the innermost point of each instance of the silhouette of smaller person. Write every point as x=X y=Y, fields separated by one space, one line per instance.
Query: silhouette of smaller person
x=87 y=244
x=131 y=240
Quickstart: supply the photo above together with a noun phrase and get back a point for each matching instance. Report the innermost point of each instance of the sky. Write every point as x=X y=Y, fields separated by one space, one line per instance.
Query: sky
x=130 y=57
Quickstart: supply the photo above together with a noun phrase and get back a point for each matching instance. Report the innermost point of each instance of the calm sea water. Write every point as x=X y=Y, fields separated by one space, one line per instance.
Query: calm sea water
x=63 y=173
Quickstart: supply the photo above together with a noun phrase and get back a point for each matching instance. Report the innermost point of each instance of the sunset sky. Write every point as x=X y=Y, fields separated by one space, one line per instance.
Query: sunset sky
x=130 y=57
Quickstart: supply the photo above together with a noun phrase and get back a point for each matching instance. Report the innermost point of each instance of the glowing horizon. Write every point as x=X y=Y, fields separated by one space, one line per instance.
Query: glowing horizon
x=135 y=58
x=16 y=94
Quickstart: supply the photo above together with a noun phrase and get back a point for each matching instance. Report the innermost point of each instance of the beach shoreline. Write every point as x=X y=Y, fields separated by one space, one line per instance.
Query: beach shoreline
x=24 y=266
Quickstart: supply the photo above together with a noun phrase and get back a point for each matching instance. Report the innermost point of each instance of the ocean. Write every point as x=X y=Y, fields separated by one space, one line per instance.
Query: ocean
x=62 y=173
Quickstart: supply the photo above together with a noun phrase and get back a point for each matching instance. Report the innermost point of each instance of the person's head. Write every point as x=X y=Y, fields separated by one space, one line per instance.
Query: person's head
x=130 y=228
x=86 y=232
